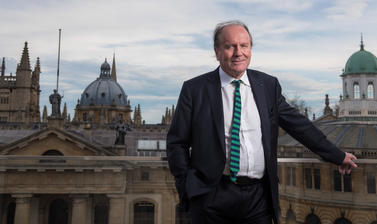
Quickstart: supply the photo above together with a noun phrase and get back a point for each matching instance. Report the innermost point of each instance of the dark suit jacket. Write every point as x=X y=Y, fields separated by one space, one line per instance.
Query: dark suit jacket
x=198 y=123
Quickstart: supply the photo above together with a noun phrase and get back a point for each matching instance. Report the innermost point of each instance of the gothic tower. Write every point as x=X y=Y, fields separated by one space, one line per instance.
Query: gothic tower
x=20 y=93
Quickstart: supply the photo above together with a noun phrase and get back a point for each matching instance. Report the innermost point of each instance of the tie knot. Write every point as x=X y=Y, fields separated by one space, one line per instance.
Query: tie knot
x=236 y=82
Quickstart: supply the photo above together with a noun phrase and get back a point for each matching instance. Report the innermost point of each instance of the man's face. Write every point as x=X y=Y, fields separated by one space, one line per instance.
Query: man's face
x=234 y=50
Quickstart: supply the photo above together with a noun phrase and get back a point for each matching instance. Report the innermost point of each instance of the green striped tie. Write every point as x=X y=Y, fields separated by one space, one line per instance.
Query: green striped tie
x=234 y=164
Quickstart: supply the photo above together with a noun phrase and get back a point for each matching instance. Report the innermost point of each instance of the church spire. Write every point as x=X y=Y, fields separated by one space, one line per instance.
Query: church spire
x=65 y=111
x=3 y=67
x=44 y=114
x=361 y=43
x=25 y=62
x=113 y=70
x=38 y=65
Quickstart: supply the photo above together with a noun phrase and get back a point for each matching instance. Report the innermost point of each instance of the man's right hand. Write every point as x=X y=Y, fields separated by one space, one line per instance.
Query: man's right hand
x=348 y=164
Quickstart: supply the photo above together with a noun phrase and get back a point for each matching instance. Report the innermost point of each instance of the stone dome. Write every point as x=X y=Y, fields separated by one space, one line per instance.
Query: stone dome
x=361 y=62
x=104 y=91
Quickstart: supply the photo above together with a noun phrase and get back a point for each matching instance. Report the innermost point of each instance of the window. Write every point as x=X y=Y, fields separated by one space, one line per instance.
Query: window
x=58 y=212
x=347 y=183
x=144 y=175
x=342 y=184
x=52 y=152
x=371 y=183
x=356 y=91
x=313 y=176
x=101 y=214
x=290 y=176
x=312 y=219
x=151 y=144
x=143 y=213
x=4 y=100
x=337 y=181
x=84 y=117
x=308 y=177
x=370 y=90
x=317 y=179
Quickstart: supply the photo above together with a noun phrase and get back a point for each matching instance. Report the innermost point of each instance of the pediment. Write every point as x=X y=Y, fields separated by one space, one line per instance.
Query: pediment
x=47 y=139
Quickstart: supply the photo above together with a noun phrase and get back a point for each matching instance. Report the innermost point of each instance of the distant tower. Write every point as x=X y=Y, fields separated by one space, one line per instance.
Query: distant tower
x=44 y=115
x=113 y=70
x=168 y=117
x=327 y=110
x=64 y=115
x=20 y=93
x=3 y=68
x=359 y=86
x=137 y=116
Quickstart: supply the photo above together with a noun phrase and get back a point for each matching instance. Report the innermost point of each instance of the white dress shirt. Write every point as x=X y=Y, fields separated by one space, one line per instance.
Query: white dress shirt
x=251 y=152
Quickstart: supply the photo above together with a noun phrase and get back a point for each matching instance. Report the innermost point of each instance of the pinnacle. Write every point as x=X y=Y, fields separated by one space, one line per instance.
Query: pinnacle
x=25 y=62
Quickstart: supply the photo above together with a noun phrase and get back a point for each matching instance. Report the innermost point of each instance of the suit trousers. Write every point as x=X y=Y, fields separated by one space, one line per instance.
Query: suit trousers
x=229 y=203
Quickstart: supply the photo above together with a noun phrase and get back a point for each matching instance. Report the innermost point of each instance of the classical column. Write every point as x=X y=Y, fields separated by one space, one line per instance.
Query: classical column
x=79 y=209
x=22 y=215
x=117 y=209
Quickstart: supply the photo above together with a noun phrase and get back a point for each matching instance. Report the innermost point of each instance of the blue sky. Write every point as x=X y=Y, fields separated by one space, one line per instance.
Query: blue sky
x=159 y=44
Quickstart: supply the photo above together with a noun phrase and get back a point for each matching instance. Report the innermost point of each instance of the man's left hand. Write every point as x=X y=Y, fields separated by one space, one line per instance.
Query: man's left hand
x=347 y=164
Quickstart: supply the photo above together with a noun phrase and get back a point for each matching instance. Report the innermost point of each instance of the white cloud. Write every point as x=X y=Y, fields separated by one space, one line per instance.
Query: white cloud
x=346 y=10
x=309 y=86
x=286 y=6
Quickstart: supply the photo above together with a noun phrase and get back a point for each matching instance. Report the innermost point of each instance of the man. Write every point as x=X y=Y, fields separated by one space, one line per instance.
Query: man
x=222 y=143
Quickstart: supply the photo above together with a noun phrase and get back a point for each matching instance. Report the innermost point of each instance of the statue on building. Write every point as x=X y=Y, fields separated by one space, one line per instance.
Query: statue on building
x=55 y=100
x=121 y=131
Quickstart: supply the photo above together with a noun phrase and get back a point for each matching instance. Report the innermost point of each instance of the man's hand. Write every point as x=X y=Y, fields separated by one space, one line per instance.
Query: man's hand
x=347 y=164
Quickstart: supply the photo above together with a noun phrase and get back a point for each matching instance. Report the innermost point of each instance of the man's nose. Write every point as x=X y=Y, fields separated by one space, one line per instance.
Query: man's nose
x=237 y=51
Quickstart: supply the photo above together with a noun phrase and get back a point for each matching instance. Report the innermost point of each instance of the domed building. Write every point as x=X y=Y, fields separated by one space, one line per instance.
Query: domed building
x=104 y=100
x=312 y=191
x=359 y=79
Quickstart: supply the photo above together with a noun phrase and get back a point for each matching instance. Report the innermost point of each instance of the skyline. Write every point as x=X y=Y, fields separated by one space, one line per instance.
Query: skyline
x=160 y=44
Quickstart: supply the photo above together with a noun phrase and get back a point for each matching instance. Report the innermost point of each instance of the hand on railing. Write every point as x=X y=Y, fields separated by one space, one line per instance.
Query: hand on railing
x=347 y=164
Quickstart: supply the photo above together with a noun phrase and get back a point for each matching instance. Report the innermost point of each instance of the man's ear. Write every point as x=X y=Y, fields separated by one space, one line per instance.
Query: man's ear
x=216 y=52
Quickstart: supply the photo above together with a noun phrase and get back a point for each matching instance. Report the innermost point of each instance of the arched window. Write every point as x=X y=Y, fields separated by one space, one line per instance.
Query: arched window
x=84 y=117
x=356 y=91
x=58 y=212
x=342 y=220
x=181 y=217
x=370 y=90
x=52 y=152
x=290 y=217
x=144 y=213
x=312 y=219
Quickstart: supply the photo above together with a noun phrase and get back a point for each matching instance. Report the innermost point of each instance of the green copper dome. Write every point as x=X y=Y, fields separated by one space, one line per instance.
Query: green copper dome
x=361 y=62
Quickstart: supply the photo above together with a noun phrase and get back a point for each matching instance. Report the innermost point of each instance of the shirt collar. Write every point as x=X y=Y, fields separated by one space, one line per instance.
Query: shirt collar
x=227 y=79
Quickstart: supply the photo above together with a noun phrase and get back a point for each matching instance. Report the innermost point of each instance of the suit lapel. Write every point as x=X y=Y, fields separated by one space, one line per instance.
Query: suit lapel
x=215 y=99
x=260 y=95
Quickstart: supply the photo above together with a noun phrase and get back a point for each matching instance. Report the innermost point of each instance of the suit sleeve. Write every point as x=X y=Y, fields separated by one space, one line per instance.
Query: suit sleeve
x=179 y=142
x=303 y=130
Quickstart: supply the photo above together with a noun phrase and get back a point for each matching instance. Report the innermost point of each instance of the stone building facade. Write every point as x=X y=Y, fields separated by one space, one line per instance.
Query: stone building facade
x=106 y=167
x=312 y=191
x=102 y=167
